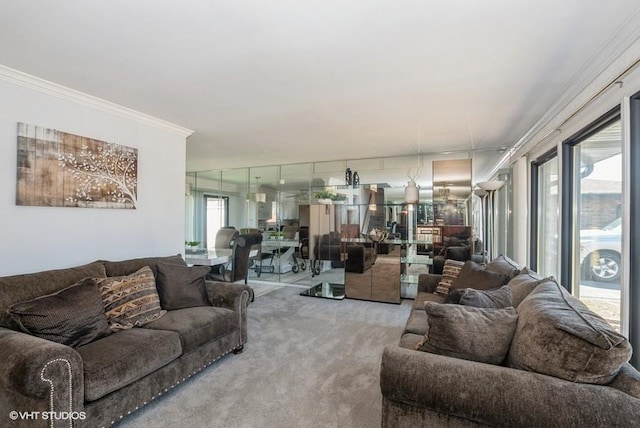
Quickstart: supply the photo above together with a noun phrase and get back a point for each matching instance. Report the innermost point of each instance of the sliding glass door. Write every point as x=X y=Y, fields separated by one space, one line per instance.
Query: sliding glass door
x=596 y=256
x=546 y=223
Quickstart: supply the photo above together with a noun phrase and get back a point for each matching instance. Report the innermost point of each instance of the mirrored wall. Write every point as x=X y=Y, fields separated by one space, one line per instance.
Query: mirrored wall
x=277 y=201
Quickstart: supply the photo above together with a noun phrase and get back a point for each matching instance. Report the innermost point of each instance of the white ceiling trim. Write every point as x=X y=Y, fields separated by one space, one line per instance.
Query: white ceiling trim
x=32 y=82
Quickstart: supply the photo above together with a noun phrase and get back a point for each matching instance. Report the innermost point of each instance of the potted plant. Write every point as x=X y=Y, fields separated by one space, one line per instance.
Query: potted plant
x=192 y=245
x=338 y=198
x=324 y=197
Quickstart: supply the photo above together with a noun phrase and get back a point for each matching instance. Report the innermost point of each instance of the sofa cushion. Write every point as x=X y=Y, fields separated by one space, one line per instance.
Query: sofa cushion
x=417 y=323
x=504 y=265
x=523 y=284
x=460 y=253
x=450 y=272
x=124 y=357
x=473 y=275
x=410 y=340
x=558 y=335
x=496 y=298
x=19 y=288
x=197 y=326
x=181 y=286
x=130 y=300
x=73 y=316
x=476 y=334
x=454 y=296
x=423 y=297
x=127 y=267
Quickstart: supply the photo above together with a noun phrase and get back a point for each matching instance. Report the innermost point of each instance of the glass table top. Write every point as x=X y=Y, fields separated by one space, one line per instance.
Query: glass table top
x=326 y=290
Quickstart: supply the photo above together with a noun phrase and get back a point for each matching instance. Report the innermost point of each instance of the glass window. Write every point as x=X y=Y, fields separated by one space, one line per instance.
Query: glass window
x=548 y=220
x=216 y=216
x=597 y=248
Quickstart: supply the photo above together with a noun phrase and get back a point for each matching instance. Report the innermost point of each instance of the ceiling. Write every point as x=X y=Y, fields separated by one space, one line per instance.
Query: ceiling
x=273 y=82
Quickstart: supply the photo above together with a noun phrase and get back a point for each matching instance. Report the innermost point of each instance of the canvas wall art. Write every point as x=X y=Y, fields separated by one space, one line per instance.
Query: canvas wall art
x=58 y=169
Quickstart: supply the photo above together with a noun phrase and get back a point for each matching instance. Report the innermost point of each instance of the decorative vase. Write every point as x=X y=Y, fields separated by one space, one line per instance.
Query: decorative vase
x=411 y=193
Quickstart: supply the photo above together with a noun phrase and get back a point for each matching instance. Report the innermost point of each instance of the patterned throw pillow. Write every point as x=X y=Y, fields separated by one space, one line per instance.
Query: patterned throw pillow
x=72 y=316
x=450 y=272
x=131 y=300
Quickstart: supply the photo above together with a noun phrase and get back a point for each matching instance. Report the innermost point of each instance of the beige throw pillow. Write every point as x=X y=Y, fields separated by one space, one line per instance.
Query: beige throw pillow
x=130 y=300
x=450 y=272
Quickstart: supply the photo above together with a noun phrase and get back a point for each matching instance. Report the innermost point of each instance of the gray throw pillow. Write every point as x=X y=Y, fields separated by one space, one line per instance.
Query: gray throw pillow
x=524 y=283
x=476 y=334
x=182 y=286
x=504 y=265
x=497 y=298
x=559 y=336
x=73 y=316
x=454 y=296
x=473 y=275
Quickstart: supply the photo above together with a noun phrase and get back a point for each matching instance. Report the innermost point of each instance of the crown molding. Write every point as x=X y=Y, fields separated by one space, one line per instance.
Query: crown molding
x=616 y=57
x=62 y=92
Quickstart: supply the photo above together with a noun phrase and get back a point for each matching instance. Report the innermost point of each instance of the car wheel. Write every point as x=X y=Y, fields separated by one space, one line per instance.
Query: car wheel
x=604 y=266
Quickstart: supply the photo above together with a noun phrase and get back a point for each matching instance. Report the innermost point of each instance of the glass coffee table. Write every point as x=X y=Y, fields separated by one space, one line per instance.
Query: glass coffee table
x=325 y=290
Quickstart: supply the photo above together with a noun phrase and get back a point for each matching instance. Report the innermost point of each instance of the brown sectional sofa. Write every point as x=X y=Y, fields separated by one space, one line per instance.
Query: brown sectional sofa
x=564 y=367
x=100 y=382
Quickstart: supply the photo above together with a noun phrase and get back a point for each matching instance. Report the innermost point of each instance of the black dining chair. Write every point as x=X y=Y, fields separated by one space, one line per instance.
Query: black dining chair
x=239 y=268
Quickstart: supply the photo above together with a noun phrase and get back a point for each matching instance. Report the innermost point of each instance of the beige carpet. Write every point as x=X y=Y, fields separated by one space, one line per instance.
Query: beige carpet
x=309 y=362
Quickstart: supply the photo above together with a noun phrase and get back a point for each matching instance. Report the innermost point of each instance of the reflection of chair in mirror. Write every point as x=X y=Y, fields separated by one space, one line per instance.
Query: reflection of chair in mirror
x=225 y=237
x=302 y=250
x=259 y=257
x=327 y=247
x=289 y=234
x=239 y=259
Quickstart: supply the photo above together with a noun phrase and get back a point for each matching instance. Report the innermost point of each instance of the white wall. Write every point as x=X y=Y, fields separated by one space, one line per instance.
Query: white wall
x=41 y=238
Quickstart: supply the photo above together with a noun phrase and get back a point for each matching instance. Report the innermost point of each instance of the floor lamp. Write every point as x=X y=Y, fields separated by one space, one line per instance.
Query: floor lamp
x=483 y=196
x=490 y=187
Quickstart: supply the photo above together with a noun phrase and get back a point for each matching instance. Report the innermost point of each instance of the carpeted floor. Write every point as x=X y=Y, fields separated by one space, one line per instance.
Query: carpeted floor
x=309 y=362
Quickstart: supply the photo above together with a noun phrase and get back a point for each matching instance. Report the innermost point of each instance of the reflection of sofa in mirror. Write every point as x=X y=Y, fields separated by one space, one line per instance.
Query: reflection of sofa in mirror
x=456 y=249
x=327 y=247
x=360 y=257
x=372 y=276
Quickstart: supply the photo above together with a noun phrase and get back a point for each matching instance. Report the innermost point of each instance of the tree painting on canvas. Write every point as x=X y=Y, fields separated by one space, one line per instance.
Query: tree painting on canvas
x=58 y=169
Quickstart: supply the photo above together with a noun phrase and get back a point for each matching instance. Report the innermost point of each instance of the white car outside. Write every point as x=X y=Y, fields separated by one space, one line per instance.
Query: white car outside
x=600 y=251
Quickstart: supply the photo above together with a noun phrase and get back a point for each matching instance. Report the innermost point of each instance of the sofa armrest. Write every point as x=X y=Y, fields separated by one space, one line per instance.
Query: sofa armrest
x=232 y=296
x=428 y=282
x=229 y=295
x=36 y=373
x=499 y=396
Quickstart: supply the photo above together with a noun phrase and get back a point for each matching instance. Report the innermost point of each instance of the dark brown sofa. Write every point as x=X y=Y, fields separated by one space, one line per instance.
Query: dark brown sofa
x=101 y=382
x=559 y=371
